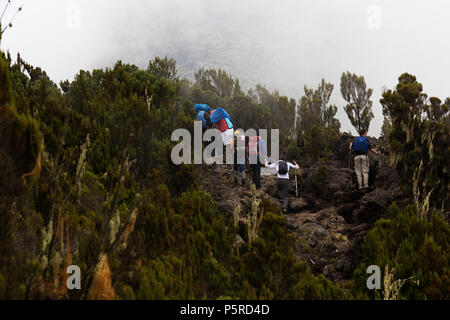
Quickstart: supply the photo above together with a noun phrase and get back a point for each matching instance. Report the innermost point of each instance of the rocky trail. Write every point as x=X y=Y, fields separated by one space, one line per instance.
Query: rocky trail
x=329 y=226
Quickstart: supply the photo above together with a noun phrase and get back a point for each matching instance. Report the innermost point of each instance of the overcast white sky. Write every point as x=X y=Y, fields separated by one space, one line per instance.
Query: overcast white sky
x=283 y=44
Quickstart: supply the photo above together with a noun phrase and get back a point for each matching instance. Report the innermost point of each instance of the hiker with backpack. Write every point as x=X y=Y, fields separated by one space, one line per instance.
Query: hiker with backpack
x=361 y=147
x=220 y=119
x=283 y=182
x=257 y=154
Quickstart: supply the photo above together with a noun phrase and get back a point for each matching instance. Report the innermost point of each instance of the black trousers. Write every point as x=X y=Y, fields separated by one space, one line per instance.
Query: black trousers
x=256 y=170
x=283 y=186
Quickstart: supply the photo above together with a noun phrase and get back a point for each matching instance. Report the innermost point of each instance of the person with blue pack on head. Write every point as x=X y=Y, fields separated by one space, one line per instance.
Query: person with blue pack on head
x=205 y=118
x=283 y=182
x=361 y=147
x=220 y=119
x=204 y=115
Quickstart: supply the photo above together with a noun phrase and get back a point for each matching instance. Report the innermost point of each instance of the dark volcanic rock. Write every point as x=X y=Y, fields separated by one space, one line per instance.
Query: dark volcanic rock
x=298 y=204
x=227 y=206
x=270 y=186
x=375 y=203
x=340 y=179
x=346 y=211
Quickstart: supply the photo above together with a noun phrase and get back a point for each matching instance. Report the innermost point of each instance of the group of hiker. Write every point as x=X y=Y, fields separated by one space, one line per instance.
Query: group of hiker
x=244 y=147
x=254 y=148
x=248 y=149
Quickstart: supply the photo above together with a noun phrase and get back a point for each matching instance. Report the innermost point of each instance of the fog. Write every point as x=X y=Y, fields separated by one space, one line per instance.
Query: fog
x=284 y=44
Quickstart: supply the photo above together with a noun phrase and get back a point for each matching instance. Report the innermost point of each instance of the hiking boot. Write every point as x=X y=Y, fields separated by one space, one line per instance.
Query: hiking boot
x=243 y=182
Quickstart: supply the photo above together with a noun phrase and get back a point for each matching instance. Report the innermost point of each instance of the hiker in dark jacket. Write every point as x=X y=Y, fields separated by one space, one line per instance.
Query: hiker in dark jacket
x=207 y=117
x=257 y=154
x=361 y=147
x=283 y=182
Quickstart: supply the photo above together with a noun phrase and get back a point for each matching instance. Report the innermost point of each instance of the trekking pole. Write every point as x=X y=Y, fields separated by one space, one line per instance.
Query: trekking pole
x=296 y=185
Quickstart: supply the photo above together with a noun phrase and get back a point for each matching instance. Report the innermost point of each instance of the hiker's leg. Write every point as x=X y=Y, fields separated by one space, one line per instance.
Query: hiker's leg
x=365 y=171
x=287 y=185
x=235 y=173
x=258 y=176
x=285 y=204
x=280 y=192
x=242 y=171
x=255 y=175
x=224 y=154
x=358 y=172
x=283 y=191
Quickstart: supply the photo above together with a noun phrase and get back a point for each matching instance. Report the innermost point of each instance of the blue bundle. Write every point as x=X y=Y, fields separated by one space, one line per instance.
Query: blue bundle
x=200 y=117
x=219 y=114
x=202 y=107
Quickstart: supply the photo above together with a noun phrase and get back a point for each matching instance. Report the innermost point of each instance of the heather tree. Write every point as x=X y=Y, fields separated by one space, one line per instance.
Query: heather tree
x=359 y=108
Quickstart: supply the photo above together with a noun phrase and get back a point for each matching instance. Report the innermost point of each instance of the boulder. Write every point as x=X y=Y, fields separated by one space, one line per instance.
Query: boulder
x=375 y=203
x=227 y=206
x=274 y=201
x=270 y=186
x=370 y=211
x=346 y=211
x=384 y=197
x=316 y=231
x=340 y=179
x=330 y=219
x=298 y=204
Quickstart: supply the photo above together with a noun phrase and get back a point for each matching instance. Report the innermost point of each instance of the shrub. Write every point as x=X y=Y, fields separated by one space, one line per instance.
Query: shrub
x=415 y=248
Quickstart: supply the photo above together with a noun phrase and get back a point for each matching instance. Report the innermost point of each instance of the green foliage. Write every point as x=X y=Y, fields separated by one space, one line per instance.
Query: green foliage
x=90 y=190
x=107 y=187
x=246 y=112
x=386 y=129
x=320 y=181
x=359 y=107
x=163 y=68
x=219 y=82
x=317 y=127
x=419 y=142
x=83 y=188
x=415 y=248
x=5 y=82
x=165 y=278
x=21 y=140
x=254 y=217
x=292 y=150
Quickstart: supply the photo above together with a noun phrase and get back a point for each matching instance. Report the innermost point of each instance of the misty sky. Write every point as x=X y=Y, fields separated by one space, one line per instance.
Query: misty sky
x=282 y=44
